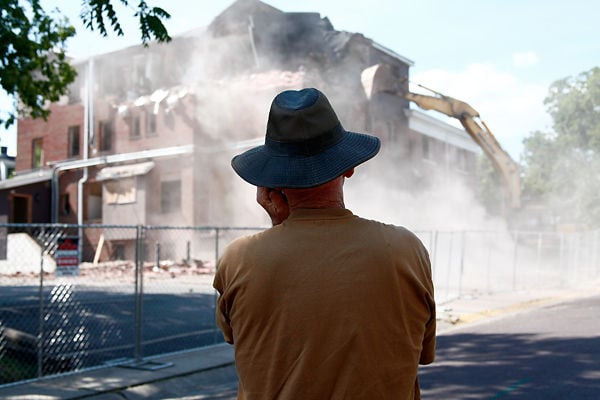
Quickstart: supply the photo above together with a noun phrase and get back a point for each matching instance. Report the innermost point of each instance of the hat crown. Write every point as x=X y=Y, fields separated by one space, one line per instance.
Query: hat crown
x=300 y=115
x=305 y=144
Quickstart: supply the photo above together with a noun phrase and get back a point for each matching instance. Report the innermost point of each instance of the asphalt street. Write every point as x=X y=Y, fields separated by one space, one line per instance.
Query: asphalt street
x=85 y=326
x=552 y=352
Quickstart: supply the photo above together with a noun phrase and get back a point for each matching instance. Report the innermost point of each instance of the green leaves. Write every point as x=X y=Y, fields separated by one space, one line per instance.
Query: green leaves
x=151 y=24
x=561 y=167
x=574 y=104
x=93 y=14
x=33 y=64
x=150 y=19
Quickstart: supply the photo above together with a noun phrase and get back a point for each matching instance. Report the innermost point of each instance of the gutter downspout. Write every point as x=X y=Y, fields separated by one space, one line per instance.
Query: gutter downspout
x=88 y=130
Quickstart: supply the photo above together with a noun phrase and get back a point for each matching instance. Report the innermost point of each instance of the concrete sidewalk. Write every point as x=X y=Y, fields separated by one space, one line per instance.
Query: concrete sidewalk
x=208 y=373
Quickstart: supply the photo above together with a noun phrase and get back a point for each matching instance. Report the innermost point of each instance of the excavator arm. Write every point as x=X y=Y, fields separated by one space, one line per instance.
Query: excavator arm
x=378 y=78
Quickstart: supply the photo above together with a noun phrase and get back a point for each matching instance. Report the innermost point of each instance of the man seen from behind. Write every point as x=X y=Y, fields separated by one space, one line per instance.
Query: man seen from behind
x=325 y=304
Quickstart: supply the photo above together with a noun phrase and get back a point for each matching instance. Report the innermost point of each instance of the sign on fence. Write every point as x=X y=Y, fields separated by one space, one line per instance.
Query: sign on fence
x=67 y=256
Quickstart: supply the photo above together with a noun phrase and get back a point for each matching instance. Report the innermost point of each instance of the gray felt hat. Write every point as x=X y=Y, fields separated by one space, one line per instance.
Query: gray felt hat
x=305 y=144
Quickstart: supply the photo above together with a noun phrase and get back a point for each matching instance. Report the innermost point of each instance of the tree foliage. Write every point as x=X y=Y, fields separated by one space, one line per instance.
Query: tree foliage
x=33 y=65
x=562 y=168
x=150 y=19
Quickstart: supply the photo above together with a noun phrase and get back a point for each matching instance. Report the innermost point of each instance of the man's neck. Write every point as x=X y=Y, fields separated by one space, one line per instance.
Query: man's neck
x=328 y=195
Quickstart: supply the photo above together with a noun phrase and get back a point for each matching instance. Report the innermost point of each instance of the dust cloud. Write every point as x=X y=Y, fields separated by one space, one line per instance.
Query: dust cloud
x=470 y=250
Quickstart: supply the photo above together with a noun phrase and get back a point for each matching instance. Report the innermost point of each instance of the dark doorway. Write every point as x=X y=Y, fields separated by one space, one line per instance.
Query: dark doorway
x=20 y=210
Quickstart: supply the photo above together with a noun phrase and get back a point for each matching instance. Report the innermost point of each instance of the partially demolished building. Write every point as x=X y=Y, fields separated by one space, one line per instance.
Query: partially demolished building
x=147 y=133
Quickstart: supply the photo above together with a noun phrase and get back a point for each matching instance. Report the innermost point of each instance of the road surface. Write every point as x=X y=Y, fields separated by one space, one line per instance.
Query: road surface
x=551 y=352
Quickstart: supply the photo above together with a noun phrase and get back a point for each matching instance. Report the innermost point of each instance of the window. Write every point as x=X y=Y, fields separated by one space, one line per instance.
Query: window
x=427 y=148
x=461 y=159
x=135 y=127
x=37 y=153
x=106 y=135
x=73 y=133
x=150 y=123
x=170 y=196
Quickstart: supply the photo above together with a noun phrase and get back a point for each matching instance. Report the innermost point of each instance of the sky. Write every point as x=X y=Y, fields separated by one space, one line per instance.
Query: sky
x=500 y=56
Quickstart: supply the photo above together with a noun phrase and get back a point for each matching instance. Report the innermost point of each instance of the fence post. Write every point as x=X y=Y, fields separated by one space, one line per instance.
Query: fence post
x=463 y=237
x=434 y=254
x=450 y=247
x=577 y=265
x=40 y=338
x=214 y=303
x=594 y=252
x=138 y=293
x=157 y=256
x=489 y=261
x=514 y=283
x=538 y=261
x=562 y=258
x=188 y=250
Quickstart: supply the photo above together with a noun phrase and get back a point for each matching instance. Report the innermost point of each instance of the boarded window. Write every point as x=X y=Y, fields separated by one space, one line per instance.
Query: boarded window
x=120 y=191
x=170 y=196
x=73 y=133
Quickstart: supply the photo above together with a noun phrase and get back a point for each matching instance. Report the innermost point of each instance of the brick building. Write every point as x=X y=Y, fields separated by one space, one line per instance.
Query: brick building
x=146 y=135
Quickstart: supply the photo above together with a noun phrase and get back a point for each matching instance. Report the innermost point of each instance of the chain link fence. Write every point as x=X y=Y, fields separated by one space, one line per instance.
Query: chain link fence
x=466 y=262
x=108 y=295
x=116 y=295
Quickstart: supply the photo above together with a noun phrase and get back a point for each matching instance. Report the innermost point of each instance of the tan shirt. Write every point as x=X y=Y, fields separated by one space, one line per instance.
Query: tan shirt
x=327 y=305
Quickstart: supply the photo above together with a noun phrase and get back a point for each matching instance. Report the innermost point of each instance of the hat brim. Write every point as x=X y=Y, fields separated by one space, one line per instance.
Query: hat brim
x=260 y=167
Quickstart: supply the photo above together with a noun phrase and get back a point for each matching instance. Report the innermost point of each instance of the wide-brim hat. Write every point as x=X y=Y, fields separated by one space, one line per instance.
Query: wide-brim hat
x=305 y=144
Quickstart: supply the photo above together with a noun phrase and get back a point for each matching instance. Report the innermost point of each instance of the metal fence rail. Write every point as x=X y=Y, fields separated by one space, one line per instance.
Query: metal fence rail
x=74 y=297
x=494 y=261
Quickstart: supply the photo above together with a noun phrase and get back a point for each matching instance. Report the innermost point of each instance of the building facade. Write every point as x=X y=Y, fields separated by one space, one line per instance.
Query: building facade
x=146 y=135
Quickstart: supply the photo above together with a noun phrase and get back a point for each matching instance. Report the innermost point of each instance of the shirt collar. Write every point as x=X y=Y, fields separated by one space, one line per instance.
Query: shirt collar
x=318 y=213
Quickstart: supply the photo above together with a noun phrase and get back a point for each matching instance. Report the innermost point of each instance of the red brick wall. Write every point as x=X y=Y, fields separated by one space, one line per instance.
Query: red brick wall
x=171 y=129
x=54 y=133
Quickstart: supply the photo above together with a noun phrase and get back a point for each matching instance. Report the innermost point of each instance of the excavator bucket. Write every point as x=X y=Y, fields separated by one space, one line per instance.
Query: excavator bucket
x=378 y=78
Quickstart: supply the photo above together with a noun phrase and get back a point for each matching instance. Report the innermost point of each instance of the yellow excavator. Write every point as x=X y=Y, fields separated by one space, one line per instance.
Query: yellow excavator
x=379 y=78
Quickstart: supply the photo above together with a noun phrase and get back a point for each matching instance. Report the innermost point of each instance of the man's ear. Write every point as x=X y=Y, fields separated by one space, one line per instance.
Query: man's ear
x=349 y=173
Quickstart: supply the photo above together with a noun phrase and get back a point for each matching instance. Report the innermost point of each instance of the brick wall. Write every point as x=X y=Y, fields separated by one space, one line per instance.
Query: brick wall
x=53 y=132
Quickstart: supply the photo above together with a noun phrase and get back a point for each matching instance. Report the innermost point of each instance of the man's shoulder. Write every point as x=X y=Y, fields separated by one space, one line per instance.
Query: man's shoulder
x=390 y=232
x=385 y=226
x=245 y=240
